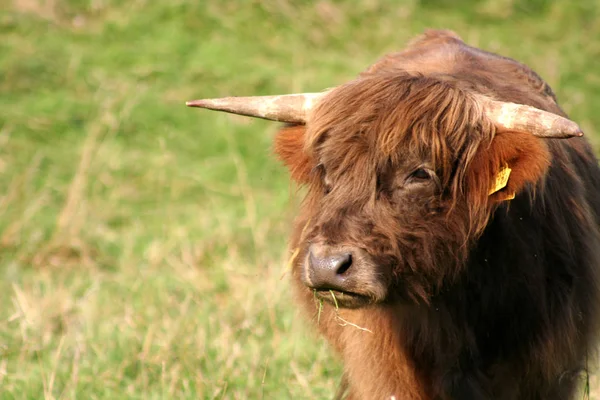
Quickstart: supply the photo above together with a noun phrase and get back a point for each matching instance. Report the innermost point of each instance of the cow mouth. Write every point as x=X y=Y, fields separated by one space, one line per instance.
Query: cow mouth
x=342 y=299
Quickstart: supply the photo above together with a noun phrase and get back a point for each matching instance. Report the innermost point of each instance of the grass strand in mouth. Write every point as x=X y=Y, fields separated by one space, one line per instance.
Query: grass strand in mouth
x=334 y=300
x=320 y=310
x=343 y=322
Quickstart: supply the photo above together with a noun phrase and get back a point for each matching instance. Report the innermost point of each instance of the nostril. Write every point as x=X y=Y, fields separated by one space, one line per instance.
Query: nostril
x=330 y=270
x=344 y=262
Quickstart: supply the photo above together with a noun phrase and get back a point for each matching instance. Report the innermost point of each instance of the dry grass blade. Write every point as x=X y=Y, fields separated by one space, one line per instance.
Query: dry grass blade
x=343 y=322
x=290 y=262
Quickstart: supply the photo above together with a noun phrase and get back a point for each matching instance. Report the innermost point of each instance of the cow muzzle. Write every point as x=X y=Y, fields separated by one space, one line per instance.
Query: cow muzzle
x=344 y=276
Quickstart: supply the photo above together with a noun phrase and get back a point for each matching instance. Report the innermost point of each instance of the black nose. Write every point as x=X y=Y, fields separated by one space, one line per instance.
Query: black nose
x=327 y=269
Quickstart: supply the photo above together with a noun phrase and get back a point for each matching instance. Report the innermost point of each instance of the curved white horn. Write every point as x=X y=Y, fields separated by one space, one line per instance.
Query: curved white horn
x=284 y=108
x=529 y=119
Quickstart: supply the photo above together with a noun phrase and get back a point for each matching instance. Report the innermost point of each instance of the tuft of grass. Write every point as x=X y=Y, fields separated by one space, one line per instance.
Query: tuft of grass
x=141 y=242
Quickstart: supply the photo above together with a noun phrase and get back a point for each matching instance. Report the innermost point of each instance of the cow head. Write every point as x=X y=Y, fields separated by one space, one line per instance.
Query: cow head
x=401 y=175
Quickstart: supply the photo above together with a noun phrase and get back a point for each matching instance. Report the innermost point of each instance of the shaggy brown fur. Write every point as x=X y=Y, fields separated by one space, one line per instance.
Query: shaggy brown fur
x=471 y=296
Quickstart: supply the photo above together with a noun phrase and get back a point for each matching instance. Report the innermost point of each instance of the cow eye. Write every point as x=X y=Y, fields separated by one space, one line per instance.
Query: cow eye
x=420 y=174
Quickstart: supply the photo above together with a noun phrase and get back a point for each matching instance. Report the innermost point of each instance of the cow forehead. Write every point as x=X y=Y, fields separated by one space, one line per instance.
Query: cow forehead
x=395 y=117
x=357 y=158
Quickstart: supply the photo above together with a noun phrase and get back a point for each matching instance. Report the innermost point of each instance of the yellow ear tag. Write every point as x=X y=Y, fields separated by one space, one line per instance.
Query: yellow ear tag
x=501 y=180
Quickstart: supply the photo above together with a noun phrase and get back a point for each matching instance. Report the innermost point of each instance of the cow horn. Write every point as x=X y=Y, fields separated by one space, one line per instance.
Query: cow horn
x=284 y=108
x=295 y=108
x=530 y=119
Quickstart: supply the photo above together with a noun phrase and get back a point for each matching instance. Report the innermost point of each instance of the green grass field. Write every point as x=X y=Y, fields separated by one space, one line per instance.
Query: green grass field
x=142 y=243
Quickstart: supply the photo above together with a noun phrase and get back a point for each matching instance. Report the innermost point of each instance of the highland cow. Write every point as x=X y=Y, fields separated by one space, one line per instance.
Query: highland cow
x=448 y=245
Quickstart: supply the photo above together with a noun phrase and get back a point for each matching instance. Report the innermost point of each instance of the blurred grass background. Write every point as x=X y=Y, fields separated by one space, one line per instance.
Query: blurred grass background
x=141 y=242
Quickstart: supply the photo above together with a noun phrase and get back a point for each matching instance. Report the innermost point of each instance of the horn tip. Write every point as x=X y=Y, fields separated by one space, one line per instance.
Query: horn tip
x=194 y=103
x=568 y=135
x=577 y=132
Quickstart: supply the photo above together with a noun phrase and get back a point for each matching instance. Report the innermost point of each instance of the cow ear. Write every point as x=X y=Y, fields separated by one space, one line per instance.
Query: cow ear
x=289 y=147
x=513 y=160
